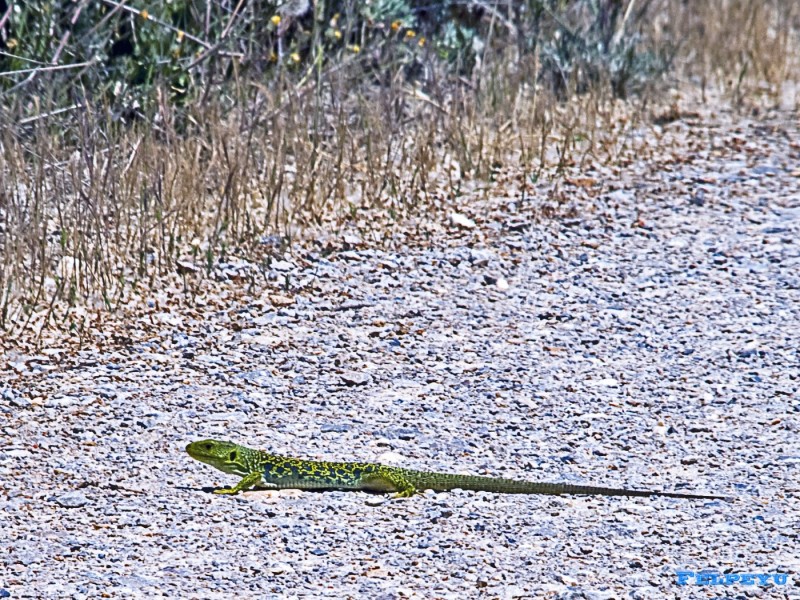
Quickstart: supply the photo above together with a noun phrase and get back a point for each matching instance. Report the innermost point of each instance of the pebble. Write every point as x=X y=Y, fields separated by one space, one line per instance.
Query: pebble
x=353 y=378
x=462 y=221
x=72 y=500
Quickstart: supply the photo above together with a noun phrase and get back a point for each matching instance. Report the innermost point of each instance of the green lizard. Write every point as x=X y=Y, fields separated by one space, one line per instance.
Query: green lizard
x=261 y=469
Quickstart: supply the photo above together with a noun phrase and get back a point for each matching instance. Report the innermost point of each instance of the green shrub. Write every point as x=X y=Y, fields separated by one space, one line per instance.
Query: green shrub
x=119 y=54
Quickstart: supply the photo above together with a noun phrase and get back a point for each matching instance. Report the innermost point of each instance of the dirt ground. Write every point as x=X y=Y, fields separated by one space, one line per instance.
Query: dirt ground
x=646 y=336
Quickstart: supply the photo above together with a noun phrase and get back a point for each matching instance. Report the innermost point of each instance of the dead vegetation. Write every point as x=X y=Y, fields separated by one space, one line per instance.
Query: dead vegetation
x=97 y=209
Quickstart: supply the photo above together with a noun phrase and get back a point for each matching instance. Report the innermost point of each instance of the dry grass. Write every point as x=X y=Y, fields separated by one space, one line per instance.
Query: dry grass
x=746 y=48
x=93 y=212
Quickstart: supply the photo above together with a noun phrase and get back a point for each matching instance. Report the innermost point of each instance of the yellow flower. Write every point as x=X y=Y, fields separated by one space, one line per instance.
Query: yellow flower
x=295 y=57
x=11 y=43
x=276 y=20
x=421 y=42
x=180 y=36
x=397 y=25
x=355 y=48
x=410 y=34
x=337 y=34
x=145 y=15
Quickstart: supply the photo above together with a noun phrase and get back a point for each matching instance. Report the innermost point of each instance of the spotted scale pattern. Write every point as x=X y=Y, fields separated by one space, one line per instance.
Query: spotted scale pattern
x=259 y=468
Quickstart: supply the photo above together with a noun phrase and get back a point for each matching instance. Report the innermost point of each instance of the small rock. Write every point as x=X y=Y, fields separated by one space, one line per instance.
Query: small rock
x=184 y=267
x=480 y=258
x=261 y=377
x=350 y=256
x=280 y=568
x=567 y=580
x=765 y=170
x=621 y=196
x=518 y=226
x=20 y=402
x=351 y=240
x=352 y=378
x=282 y=265
x=334 y=428
x=71 y=500
x=18 y=453
x=376 y=500
x=389 y=458
x=107 y=391
x=281 y=300
x=403 y=433
x=608 y=382
x=460 y=220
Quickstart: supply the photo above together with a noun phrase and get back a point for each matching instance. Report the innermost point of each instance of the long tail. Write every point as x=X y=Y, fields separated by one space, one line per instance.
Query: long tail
x=444 y=481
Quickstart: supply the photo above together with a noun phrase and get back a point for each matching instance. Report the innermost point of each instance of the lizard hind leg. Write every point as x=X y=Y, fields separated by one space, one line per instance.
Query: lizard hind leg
x=388 y=480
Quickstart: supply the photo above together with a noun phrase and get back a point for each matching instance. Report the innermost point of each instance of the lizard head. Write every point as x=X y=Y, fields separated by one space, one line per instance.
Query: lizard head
x=225 y=456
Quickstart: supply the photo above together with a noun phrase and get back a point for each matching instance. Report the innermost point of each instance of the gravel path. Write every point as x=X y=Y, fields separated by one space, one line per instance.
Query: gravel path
x=650 y=341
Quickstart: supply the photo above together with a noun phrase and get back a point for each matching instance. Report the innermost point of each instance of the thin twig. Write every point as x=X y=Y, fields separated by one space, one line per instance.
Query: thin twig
x=621 y=29
x=512 y=29
x=49 y=114
x=47 y=68
x=25 y=58
x=67 y=33
x=6 y=15
x=209 y=51
x=148 y=17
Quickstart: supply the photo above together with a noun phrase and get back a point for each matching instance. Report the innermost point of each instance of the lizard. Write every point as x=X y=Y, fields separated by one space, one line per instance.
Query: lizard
x=258 y=468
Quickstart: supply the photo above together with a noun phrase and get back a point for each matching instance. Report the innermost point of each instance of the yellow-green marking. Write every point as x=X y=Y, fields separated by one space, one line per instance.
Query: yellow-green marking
x=261 y=469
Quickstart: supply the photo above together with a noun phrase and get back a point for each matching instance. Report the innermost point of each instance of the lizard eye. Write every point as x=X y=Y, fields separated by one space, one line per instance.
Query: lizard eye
x=208 y=446
x=233 y=456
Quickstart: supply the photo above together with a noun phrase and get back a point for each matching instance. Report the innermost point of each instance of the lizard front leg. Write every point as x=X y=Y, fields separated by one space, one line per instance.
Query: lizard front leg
x=247 y=482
